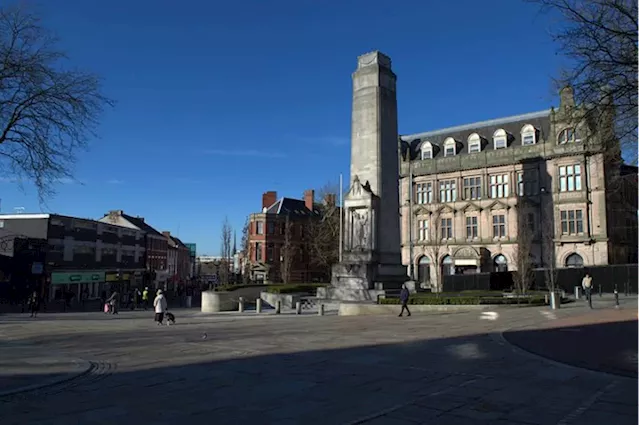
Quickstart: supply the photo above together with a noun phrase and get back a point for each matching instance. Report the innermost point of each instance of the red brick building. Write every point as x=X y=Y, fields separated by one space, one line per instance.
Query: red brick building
x=277 y=239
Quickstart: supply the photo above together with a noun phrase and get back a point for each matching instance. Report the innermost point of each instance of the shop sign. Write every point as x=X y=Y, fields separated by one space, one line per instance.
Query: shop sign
x=65 y=278
x=113 y=277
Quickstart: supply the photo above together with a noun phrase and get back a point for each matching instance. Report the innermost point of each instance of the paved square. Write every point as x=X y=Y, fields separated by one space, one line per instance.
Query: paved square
x=436 y=368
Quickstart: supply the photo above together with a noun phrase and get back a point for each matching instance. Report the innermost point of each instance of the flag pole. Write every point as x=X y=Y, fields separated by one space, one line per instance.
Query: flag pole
x=340 y=236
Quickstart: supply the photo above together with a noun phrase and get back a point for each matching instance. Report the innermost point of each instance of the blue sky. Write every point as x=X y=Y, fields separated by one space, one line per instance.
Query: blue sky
x=218 y=102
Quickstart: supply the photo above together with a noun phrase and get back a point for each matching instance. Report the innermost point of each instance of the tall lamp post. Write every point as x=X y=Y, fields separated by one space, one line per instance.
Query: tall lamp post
x=411 y=268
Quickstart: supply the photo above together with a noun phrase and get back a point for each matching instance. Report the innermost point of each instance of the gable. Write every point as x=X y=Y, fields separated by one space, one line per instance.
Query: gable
x=498 y=205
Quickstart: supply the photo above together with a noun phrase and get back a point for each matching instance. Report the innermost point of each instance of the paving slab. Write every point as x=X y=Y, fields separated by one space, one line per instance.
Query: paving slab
x=437 y=369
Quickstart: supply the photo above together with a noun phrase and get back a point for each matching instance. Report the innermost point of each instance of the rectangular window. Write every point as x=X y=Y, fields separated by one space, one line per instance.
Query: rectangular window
x=526 y=187
x=571 y=222
x=529 y=139
x=472 y=188
x=259 y=228
x=499 y=226
x=448 y=191
x=474 y=147
x=570 y=178
x=446 y=228
x=271 y=228
x=472 y=227
x=499 y=185
x=423 y=230
x=449 y=150
x=427 y=154
x=258 y=251
x=424 y=193
x=499 y=143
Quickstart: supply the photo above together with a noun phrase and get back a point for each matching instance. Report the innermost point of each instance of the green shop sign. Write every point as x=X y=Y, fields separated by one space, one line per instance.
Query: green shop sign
x=58 y=278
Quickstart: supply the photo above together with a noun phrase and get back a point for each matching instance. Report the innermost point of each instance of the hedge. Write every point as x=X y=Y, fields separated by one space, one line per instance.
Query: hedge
x=309 y=288
x=465 y=300
x=231 y=287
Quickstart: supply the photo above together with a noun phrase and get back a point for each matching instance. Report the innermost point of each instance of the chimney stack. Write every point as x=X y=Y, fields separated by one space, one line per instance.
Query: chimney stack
x=308 y=199
x=167 y=234
x=269 y=198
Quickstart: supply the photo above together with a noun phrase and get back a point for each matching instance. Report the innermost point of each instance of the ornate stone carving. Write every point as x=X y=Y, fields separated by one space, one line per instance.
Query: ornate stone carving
x=466 y=252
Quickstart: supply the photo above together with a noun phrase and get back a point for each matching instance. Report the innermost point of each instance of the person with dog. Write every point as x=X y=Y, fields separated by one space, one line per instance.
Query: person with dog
x=160 y=306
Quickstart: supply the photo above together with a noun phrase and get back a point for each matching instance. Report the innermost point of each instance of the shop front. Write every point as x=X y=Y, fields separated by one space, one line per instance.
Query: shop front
x=83 y=284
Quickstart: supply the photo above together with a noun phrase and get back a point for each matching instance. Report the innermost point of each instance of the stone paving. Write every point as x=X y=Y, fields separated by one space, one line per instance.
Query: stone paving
x=431 y=368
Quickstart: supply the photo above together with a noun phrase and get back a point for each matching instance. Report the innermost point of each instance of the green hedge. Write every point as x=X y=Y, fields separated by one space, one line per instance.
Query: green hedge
x=465 y=300
x=307 y=288
x=231 y=287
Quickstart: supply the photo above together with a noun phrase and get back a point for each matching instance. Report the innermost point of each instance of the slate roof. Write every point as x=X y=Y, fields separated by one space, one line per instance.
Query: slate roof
x=291 y=207
x=485 y=129
x=178 y=242
x=141 y=225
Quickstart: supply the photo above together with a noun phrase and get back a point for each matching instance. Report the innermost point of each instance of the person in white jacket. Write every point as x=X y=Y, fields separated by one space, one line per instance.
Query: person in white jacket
x=160 y=306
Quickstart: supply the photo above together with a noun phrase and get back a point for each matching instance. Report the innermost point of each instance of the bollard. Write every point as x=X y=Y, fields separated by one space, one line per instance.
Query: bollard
x=576 y=292
x=626 y=289
x=321 y=310
x=600 y=290
x=278 y=306
x=546 y=298
x=615 y=295
x=258 y=305
x=298 y=307
x=240 y=305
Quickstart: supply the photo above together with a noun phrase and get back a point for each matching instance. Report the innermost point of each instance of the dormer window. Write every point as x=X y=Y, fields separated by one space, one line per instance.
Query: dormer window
x=449 y=147
x=568 y=135
x=474 y=143
x=426 y=151
x=500 y=139
x=528 y=134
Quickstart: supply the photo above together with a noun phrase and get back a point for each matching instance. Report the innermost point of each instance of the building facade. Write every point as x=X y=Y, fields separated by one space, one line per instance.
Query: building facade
x=277 y=245
x=178 y=261
x=155 y=243
x=470 y=194
x=82 y=256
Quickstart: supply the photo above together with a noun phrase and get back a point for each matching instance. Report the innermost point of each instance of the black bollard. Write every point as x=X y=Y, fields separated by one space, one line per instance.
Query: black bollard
x=626 y=289
x=615 y=294
x=600 y=290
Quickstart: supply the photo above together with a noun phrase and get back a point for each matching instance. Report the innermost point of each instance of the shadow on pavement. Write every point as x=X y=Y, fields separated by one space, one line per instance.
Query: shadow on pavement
x=461 y=380
x=605 y=347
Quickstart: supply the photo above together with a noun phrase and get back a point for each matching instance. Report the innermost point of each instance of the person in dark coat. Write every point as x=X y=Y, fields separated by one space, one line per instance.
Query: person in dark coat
x=34 y=304
x=404 y=299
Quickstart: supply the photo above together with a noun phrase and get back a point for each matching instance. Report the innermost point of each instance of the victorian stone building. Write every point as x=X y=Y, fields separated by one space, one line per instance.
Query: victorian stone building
x=469 y=193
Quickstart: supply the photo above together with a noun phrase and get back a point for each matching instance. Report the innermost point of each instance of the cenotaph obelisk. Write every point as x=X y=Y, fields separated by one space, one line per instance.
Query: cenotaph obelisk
x=371 y=261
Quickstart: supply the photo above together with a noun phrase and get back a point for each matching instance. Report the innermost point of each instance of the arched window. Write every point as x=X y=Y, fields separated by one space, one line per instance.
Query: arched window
x=426 y=150
x=569 y=135
x=424 y=273
x=449 y=147
x=473 y=143
x=447 y=266
x=500 y=139
x=528 y=134
x=500 y=263
x=574 y=260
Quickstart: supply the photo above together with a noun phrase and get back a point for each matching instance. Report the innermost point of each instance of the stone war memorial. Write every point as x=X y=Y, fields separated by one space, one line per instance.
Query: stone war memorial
x=371 y=262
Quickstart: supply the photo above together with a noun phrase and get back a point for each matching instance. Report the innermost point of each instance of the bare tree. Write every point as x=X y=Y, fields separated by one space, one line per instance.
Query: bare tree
x=245 y=250
x=47 y=112
x=434 y=247
x=323 y=231
x=600 y=38
x=288 y=251
x=225 y=251
x=523 y=274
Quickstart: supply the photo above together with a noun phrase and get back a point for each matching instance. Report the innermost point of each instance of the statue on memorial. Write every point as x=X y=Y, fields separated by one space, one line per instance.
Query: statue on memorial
x=362 y=230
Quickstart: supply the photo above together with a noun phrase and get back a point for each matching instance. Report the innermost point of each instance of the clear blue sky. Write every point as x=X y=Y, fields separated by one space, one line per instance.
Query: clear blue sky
x=218 y=102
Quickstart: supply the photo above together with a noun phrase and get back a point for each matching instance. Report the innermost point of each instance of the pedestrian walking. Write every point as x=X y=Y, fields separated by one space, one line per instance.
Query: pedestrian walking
x=586 y=287
x=113 y=301
x=404 y=299
x=160 y=306
x=145 y=298
x=34 y=304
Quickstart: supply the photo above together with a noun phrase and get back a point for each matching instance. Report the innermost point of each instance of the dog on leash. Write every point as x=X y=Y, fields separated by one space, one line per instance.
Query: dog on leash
x=171 y=319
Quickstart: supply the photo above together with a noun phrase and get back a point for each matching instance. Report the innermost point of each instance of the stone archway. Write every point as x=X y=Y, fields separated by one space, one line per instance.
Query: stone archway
x=574 y=260
x=424 y=270
x=466 y=260
x=500 y=263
